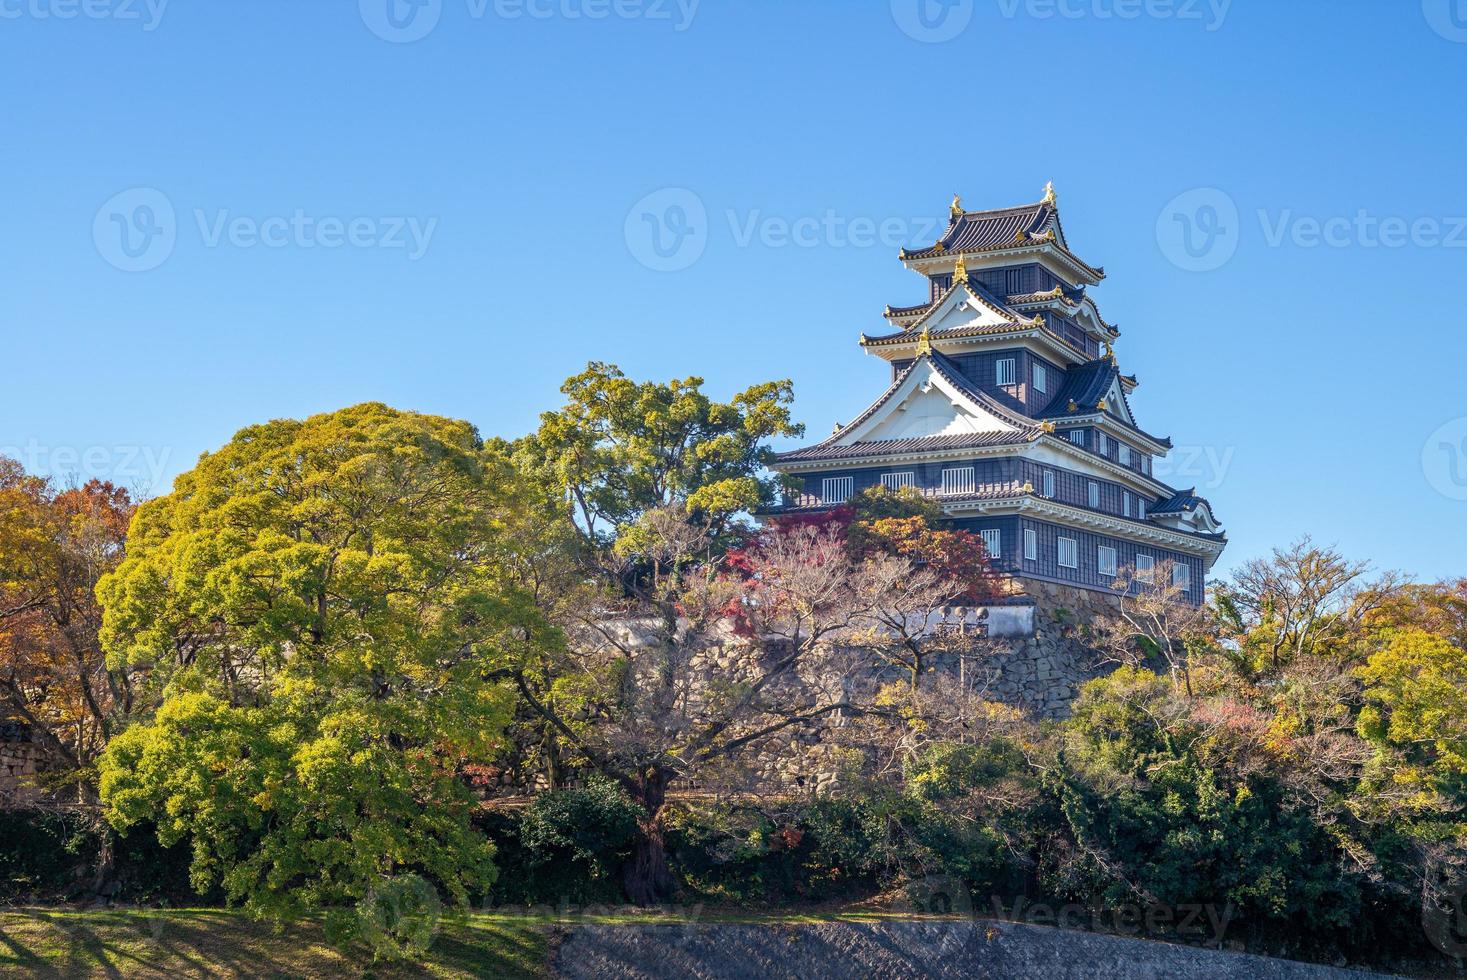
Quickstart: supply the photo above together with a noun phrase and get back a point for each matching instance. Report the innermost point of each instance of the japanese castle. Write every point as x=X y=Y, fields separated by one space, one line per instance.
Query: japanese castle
x=1007 y=405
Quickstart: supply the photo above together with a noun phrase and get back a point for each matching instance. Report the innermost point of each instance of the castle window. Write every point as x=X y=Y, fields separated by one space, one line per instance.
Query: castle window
x=1145 y=568
x=1123 y=453
x=1106 y=558
x=1007 y=371
x=959 y=480
x=1141 y=508
x=1182 y=577
x=899 y=481
x=1013 y=280
x=1049 y=483
x=1126 y=503
x=1041 y=379
x=1102 y=444
x=1094 y=495
x=1077 y=436
x=993 y=543
x=1069 y=553
x=837 y=489
x=1031 y=544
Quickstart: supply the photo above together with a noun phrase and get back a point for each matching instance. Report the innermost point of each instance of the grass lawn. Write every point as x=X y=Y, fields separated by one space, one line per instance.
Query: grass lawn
x=188 y=943
x=191 y=943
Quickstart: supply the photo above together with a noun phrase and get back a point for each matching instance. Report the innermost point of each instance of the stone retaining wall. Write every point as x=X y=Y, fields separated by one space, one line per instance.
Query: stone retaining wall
x=900 y=951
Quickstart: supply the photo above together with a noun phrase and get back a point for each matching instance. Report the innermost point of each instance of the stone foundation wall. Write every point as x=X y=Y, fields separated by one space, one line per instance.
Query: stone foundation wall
x=1043 y=673
x=20 y=763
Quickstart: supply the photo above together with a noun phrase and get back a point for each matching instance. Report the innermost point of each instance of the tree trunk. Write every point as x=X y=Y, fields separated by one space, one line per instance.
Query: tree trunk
x=646 y=878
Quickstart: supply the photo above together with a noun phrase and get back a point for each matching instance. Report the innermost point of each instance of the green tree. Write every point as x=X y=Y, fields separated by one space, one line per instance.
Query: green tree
x=620 y=448
x=323 y=606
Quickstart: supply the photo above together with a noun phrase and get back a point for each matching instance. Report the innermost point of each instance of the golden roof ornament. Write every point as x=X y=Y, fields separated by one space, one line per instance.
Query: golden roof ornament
x=938 y=249
x=1110 y=352
x=1100 y=406
x=1021 y=237
x=960 y=271
x=1073 y=407
x=1049 y=194
x=924 y=343
x=1028 y=487
x=956 y=208
x=1046 y=426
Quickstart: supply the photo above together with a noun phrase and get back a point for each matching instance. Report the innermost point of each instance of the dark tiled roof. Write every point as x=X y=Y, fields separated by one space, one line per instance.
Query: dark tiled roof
x=1086 y=384
x=983 y=231
x=900 y=311
x=1182 y=502
x=892 y=447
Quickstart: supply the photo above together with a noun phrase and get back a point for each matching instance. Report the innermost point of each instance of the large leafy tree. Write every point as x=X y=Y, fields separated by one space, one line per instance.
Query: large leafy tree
x=54 y=546
x=322 y=605
x=619 y=448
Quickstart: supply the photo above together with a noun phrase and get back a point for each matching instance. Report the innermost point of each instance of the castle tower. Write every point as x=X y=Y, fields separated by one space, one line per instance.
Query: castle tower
x=1007 y=405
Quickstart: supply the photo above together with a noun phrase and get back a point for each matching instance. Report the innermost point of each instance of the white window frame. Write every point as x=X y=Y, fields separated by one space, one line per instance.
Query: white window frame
x=1140 y=508
x=1123 y=454
x=1071 y=545
x=1182 y=576
x=1041 y=379
x=959 y=480
x=1126 y=503
x=831 y=486
x=1092 y=495
x=1031 y=544
x=1077 y=436
x=1111 y=567
x=992 y=542
x=899 y=481
x=1102 y=444
x=1049 y=484
x=1146 y=568
x=1006 y=367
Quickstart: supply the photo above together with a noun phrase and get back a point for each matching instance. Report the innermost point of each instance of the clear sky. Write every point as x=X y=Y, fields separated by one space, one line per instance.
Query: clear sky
x=219 y=213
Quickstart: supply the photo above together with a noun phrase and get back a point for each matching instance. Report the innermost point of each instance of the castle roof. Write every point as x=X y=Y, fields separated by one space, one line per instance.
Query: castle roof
x=1024 y=226
x=1087 y=386
x=1017 y=428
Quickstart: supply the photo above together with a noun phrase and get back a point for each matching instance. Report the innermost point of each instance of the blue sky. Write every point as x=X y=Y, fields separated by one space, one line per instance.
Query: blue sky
x=456 y=223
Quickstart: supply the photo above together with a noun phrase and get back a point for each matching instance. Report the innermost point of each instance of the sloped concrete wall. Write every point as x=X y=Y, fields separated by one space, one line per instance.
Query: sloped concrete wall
x=898 y=951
